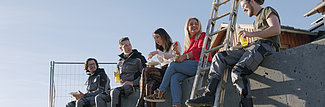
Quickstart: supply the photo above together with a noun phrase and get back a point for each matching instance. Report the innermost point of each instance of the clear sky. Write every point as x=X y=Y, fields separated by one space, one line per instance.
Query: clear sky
x=35 y=32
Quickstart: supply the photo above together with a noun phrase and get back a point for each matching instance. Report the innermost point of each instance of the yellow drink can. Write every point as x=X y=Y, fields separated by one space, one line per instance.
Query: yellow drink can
x=117 y=76
x=243 y=41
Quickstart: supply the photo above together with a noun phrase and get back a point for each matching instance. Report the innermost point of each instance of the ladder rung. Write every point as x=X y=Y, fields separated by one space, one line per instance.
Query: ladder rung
x=223 y=2
x=205 y=69
x=215 y=48
x=200 y=90
x=214 y=19
x=223 y=29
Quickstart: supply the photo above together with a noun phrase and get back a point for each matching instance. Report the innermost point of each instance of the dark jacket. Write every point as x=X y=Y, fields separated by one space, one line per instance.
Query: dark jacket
x=130 y=67
x=97 y=83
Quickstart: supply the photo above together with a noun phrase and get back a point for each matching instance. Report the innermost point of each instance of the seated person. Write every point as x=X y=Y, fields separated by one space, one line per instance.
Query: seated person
x=94 y=87
x=151 y=76
x=267 y=30
x=184 y=66
x=129 y=67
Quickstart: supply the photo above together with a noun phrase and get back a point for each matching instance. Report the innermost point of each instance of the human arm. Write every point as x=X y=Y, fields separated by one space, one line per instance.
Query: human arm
x=137 y=75
x=273 y=29
x=151 y=54
x=181 y=58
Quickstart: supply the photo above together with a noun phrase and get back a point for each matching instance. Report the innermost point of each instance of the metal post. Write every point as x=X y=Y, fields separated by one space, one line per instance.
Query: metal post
x=51 y=96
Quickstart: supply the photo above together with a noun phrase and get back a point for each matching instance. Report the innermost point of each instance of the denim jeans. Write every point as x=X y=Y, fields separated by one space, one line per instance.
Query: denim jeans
x=174 y=74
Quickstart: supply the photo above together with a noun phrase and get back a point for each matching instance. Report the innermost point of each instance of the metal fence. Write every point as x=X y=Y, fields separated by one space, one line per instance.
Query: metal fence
x=66 y=77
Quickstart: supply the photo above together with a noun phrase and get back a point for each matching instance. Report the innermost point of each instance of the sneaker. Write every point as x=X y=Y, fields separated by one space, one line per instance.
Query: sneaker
x=201 y=101
x=158 y=96
x=177 y=105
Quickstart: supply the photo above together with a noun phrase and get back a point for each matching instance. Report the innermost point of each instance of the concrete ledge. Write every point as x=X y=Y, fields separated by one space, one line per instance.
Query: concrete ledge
x=294 y=78
x=132 y=99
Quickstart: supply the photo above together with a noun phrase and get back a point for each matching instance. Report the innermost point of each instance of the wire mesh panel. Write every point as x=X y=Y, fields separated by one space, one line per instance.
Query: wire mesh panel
x=66 y=77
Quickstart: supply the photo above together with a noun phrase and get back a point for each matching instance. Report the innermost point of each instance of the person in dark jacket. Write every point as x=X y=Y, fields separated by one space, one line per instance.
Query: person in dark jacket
x=97 y=83
x=129 y=66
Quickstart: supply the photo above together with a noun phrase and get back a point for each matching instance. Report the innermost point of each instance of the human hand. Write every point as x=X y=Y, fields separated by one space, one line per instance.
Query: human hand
x=151 y=66
x=245 y=34
x=180 y=58
x=78 y=95
x=127 y=83
x=151 y=54
x=175 y=48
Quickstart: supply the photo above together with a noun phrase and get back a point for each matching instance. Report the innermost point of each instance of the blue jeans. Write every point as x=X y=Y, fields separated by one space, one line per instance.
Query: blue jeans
x=174 y=74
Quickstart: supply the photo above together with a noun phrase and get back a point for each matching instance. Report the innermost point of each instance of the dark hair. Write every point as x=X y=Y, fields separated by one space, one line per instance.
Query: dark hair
x=121 y=40
x=166 y=39
x=86 y=63
x=260 y=2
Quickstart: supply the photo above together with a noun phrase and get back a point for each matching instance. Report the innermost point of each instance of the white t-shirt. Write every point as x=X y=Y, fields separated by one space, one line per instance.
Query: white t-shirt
x=166 y=58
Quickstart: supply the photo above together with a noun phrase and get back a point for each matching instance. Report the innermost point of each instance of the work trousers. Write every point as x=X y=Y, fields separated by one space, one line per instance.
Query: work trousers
x=82 y=102
x=244 y=62
x=114 y=97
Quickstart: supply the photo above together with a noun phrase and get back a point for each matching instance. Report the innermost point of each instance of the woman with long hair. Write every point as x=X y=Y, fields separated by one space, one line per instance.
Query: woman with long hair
x=151 y=76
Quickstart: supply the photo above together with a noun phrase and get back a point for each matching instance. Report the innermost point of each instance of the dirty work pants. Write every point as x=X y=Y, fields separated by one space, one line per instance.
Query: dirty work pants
x=83 y=102
x=115 y=96
x=245 y=61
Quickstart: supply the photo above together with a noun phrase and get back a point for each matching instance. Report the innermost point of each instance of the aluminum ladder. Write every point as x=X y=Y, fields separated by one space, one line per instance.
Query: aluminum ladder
x=201 y=75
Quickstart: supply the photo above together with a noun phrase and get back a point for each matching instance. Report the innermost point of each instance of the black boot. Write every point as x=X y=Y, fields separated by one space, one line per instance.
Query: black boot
x=208 y=97
x=246 y=102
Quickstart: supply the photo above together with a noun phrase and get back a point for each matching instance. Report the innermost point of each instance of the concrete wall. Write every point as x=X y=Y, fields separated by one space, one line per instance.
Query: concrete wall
x=290 y=78
x=130 y=101
x=294 y=78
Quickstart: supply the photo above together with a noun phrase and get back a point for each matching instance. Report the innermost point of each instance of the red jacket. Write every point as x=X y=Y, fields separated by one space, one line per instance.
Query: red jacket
x=196 y=48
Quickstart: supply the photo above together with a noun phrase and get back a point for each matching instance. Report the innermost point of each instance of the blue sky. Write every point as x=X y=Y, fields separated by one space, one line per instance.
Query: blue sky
x=35 y=32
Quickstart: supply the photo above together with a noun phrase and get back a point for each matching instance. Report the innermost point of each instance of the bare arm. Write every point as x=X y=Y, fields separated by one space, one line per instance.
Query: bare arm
x=273 y=29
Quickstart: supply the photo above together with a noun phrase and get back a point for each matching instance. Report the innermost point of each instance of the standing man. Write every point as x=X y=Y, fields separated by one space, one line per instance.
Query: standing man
x=129 y=66
x=245 y=61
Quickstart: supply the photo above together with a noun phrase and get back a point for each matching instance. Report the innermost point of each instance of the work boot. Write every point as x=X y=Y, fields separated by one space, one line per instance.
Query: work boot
x=246 y=102
x=201 y=101
x=208 y=97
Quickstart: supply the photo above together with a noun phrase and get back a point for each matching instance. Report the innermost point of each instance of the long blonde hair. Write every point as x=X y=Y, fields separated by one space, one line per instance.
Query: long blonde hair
x=187 y=40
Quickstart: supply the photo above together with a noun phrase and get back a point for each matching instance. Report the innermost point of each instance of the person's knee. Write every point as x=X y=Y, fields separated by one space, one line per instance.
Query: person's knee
x=115 y=92
x=221 y=54
x=176 y=78
x=101 y=97
x=80 y=102
x=71 y=104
